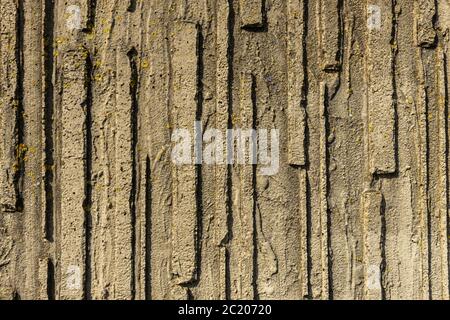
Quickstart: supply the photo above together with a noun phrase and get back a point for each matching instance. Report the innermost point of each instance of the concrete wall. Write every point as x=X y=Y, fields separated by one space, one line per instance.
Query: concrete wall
x=93 y=207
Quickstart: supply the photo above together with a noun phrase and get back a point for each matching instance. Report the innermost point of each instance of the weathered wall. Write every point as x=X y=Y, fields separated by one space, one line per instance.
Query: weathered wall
x=92 y=207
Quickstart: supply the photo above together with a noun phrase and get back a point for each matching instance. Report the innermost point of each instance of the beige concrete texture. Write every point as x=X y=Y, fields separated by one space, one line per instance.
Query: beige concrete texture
x=93 y=207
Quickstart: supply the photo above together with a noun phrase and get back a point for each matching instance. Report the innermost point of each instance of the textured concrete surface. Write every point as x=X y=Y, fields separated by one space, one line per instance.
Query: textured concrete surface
x=92 y=207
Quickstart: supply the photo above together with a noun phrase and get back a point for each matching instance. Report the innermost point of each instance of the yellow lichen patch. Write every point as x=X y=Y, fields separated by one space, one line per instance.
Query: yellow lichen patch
x=31 y=150
x=21 y=151
x=60 y=40
x=145 y=64
x=235 y=119
x=98 y=77
x=97 y=63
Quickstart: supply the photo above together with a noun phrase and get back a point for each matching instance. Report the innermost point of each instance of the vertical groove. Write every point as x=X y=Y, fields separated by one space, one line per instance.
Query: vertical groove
x=383 y=250
x=91 y=11
x=327 y=284
x=148 y=229
x=426 y=249
x=309 y=233
x=326 y=205
x=305 y=90
x=230 y=60
x=446 y=226
x=255 y=190
x=132 y=6
x=134 y=144
x=394 y=49
x=48 y=117
x=341 y=35
x=20 y=147
x=50 y=280
x=440 y=209
x=199 y=166
x=88 y=181
x=428 y=224
x=16 y=296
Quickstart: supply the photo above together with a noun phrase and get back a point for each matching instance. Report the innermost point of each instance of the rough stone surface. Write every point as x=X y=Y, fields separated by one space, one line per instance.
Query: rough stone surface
x=92 y=206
